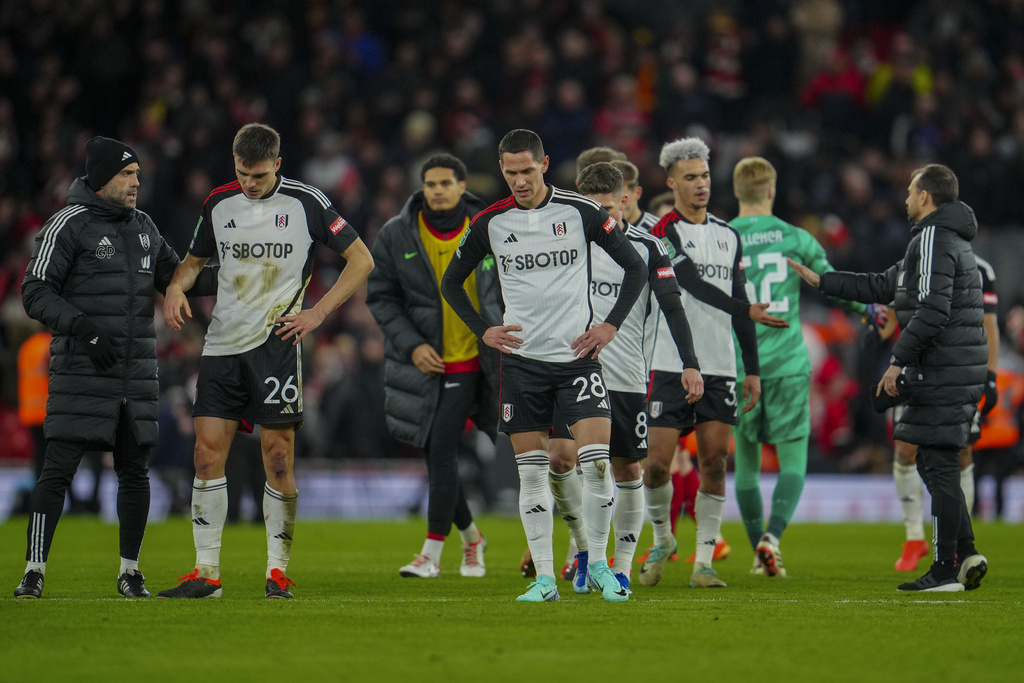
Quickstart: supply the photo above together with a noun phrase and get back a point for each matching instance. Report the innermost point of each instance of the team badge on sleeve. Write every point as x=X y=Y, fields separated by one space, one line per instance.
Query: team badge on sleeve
x=506 y=411
x=281 y=221
x=558 y=229
x=655 y=408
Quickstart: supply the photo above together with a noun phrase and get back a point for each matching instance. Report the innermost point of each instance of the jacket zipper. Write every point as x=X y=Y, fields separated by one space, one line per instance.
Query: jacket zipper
x=131 y=312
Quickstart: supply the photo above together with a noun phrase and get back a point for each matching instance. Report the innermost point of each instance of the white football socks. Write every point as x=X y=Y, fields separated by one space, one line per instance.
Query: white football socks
x=910 y=489
x=659 y=504
x=209 y=513
x=567 y=490
x=628 y=520
x=279 y=513
x=967 y=486
x=535 y=509
x=708 y=511
x=598 y=499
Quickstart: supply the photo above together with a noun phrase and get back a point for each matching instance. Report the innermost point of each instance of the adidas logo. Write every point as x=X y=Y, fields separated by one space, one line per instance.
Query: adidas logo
x=569 y=518
x=628 y=538
x=511 y=238
x=609 y=503
x=643 y=444
x=690 y=245
x=126 y=155
x=95 y=341
x=603 y=404
x=283 y=536
x=105 y=242
x=231 y=224
x=199 y=521
x=287 y=410
x=536 y=508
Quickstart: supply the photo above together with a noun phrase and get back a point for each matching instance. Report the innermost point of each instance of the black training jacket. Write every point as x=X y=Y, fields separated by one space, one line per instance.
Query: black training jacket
x=403 y=296
x=936 y=292
x=99 y=260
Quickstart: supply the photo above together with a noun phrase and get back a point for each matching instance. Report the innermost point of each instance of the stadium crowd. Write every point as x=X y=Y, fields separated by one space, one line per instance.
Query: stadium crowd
x=845 y=98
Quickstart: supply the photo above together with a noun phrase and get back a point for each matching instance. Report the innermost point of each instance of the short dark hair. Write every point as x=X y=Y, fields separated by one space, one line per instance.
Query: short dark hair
x=630 y=173
x=521 y=140
x=939 y=181
x=594 y=155
x=445 y=160
x=660 y=200
x=256 y=142
x=601 y=178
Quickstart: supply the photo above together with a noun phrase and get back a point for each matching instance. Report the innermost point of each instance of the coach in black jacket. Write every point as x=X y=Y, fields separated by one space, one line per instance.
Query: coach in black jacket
x=942 y=354
x=429 y=392
x=94 y=271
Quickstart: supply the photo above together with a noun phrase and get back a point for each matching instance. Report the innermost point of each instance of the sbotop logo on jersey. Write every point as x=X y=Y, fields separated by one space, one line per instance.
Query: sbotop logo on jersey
x=244 y=250
x=281 y=221
x=543 y=259
x=558 y=229
x=506 y=411
x=144 y=239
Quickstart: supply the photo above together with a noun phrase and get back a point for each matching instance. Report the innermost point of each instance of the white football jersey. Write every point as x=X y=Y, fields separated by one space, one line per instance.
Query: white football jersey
x=265 y=249
x=714 y=248
x=543 y=260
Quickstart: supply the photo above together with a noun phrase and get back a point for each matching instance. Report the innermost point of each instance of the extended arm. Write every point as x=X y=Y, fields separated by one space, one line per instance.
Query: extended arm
x=185 y=276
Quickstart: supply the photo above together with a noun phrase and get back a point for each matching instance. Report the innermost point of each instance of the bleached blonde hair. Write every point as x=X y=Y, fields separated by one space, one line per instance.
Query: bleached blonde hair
x=683 y=149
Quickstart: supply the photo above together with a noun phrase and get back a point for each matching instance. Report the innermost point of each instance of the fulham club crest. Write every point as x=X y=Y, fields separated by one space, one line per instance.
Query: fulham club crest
x=281 y=221
x=558 y=229
x=506 y=412
x=655 y=408
x=144 y=239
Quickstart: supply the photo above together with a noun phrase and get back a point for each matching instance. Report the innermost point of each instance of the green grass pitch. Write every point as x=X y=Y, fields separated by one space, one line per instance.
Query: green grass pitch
x=837 y=617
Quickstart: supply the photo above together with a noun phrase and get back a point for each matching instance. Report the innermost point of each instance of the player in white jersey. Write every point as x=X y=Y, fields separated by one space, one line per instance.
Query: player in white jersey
x=625 y=373
x=700 y=243
x=263 y=229
x=541 y=240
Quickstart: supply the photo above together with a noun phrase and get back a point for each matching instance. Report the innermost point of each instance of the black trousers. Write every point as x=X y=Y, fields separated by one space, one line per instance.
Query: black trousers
x=446 y=502
x=62 y=459
x=952 y=534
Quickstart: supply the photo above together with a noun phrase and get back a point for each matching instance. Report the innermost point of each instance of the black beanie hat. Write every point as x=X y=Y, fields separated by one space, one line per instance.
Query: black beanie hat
x=104 y=158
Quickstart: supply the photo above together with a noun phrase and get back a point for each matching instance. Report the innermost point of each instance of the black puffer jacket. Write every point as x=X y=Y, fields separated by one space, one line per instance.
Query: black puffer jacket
x=936 y=291
x=403 y=295
x=99 y=260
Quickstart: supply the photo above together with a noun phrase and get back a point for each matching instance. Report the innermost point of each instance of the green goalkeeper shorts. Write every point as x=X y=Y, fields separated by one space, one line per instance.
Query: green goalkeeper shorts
x=782 y=414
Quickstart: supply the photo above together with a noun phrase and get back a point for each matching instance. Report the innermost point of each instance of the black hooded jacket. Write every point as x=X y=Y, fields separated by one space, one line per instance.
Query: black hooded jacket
x=936 y=292
x=403 y=295
x=105 y=262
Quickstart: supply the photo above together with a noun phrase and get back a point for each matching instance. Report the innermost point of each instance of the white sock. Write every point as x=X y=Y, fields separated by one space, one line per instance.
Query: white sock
x=570 y=556
x=209 y=512
x=567 y=490
x=535 y=509
x=628 y=519
x=910 y=489
x=279 y=513
x=432 y=548
x=127 y=564
x=598 y=499
x=967 y=486
x=659 y=503
x=708 y=511
x=36 y=567
x=470 y=535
